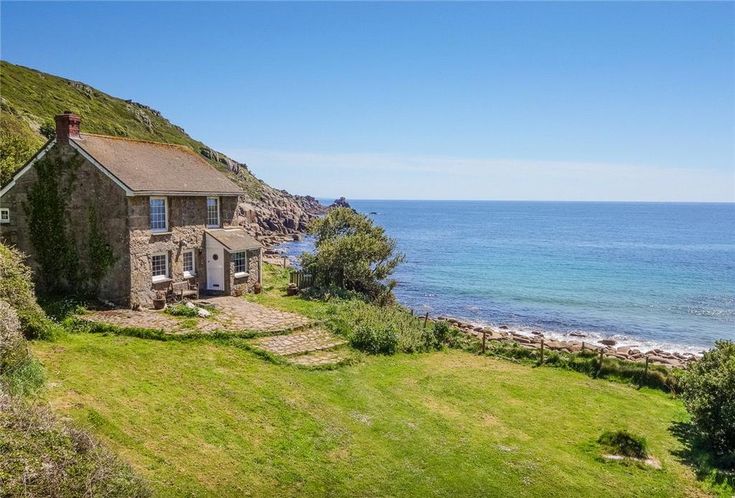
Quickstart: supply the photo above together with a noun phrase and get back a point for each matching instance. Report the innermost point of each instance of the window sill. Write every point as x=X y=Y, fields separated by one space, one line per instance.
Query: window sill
x=213 y=226
x=168 y=232
x=189 y=275
x=241 y=274
x=161 y=280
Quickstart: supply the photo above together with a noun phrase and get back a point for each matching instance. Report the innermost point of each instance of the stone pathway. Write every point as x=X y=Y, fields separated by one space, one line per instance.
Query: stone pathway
x=299 y=342
x=233 y=315
x=312 y=347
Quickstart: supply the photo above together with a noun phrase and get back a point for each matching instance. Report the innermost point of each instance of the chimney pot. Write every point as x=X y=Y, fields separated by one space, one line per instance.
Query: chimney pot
x=67 y=126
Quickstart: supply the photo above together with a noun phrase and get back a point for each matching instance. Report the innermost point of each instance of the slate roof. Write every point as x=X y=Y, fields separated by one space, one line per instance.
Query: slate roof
x=155 y=168
x=234 y=239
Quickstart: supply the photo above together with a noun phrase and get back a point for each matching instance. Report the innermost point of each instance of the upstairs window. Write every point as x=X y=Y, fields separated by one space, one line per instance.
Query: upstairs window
x=240 y=261
x=212 y=212
x=4 y=215
x=159 y=267
x=159 y=214
x=189 y=264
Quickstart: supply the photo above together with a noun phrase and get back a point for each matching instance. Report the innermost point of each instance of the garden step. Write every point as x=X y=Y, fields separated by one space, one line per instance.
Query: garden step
x=300 y=342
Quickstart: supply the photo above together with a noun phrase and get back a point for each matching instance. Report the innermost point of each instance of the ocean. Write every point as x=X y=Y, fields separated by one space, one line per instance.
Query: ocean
x=652 y=275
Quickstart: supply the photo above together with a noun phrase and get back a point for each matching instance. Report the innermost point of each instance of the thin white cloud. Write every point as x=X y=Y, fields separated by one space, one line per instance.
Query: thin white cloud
x=372 y=175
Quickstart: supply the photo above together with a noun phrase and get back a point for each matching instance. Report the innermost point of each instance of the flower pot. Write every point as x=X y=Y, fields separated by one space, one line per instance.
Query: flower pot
x=159 y=303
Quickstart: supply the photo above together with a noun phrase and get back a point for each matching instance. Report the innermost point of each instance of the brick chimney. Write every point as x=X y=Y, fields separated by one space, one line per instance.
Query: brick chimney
x=67 y=126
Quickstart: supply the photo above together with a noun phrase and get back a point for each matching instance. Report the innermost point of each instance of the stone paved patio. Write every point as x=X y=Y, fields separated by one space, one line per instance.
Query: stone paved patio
x=301 y=342
x=234 y=314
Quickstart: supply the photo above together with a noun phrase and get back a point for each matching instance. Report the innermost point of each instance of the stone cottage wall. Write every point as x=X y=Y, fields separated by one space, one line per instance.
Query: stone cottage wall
x=88 y=189
x=187 y=217
x=239 y=286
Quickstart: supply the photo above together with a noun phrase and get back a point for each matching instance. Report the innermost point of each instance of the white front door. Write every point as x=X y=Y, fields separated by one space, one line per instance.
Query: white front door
x=215 y=268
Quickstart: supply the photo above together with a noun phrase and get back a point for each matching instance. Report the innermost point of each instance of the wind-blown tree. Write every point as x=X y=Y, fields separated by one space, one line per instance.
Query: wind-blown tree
x=352 y=253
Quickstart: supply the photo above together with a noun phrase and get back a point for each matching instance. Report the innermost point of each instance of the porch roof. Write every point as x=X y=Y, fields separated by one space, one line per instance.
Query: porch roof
x=234 y=239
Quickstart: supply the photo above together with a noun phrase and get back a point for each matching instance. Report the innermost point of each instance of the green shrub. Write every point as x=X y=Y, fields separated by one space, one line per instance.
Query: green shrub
x=181 y=309
x=624 y=443
x=375 y=339
x=346 y=317
x=709 y=396
x=352 y=253
x=41 y=456
x=13 y=348
x=16 y=288
x=442 y=332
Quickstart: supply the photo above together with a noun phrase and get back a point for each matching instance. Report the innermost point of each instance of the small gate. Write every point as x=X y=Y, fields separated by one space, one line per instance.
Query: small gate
x=301 y=279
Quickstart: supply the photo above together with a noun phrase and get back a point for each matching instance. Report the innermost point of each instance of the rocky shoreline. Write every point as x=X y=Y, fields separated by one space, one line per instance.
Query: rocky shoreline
x=607 y=346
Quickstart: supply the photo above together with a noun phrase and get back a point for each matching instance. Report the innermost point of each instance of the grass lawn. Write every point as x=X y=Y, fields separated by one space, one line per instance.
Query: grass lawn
x=206 y=418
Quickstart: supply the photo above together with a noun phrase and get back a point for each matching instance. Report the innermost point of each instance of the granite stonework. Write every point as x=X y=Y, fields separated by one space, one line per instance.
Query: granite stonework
x=89 y=192
x=186 y=231
x=237 y=286
x=124 y=222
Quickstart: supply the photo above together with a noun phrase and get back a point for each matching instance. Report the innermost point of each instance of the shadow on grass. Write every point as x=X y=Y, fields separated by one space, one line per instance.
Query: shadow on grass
x=718 y=473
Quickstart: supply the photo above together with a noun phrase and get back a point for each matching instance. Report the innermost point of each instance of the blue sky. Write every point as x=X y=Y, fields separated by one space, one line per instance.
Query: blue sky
x=547 y=101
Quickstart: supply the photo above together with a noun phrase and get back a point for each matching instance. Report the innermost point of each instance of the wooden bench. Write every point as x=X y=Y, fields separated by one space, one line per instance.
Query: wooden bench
x=186 y=288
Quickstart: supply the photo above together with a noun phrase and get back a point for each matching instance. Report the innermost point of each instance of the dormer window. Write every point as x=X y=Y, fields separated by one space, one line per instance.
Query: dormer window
x=212 y=212
x=159 y=214
x=4 y=215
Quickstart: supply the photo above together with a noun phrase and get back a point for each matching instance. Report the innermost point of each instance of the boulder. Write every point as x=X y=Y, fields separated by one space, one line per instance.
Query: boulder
x=607 y=342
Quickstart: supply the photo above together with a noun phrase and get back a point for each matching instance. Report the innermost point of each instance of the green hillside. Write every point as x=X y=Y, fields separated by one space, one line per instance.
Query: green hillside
x=31 y=98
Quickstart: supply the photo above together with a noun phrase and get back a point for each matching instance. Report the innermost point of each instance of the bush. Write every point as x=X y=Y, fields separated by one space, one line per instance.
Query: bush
x=375 y=339
x=624 y=443
x=709 y=396
x=16 y=288
x=442 y=332
x=13 y=348
x=352 y=254
x=40 y=456
x=347 y=317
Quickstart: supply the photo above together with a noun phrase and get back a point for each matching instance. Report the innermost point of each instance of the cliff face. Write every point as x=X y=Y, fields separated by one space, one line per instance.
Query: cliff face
x=29 y=100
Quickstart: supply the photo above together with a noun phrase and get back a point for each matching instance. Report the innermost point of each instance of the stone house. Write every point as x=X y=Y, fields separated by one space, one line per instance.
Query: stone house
x=127 y=218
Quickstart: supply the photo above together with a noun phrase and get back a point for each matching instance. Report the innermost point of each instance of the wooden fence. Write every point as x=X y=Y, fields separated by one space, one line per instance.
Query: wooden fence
x=301 y=280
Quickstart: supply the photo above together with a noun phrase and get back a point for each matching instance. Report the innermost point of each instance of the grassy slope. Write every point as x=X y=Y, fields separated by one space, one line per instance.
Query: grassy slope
x=31 y=98
x=207 y=418
x=204 y=418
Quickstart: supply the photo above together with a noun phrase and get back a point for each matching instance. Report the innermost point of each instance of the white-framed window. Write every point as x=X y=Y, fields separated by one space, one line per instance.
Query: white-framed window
x=4 y=215
x=159 y=214
x=240 y=261
x=159 y=266
x=212 y=212
x=189 y=264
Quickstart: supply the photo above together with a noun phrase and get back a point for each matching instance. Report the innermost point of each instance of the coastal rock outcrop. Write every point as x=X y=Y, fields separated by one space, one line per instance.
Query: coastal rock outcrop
x=341 y=202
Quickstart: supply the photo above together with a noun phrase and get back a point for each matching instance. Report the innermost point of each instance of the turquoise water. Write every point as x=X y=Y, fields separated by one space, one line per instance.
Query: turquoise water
x=647 y=274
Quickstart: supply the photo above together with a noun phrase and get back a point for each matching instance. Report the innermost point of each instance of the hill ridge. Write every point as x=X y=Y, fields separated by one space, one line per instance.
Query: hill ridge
x=30 y=98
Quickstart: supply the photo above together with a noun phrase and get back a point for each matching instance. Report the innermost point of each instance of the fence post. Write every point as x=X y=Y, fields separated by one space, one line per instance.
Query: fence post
x=582 y=345
x=645 y=371
x=599 y=369
x=426 y=318
x=284 y=261
x=484 y=341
